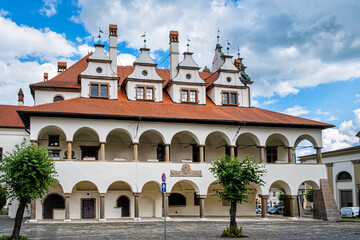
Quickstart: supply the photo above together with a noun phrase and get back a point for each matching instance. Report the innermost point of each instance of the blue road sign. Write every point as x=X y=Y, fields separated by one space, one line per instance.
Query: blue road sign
x=163 y=187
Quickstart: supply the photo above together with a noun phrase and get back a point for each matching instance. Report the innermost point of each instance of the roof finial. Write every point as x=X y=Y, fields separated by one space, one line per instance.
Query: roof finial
x=228 y=47
x=188 y=43
x=218 y=36
x=99 y=36
x=238 y=52
x=144 y=36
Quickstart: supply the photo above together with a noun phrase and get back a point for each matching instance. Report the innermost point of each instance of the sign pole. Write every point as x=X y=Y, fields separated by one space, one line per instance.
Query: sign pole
x=163 y=189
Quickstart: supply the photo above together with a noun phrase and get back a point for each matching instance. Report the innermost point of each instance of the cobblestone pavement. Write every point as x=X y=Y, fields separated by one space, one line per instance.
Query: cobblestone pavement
x=187 y=230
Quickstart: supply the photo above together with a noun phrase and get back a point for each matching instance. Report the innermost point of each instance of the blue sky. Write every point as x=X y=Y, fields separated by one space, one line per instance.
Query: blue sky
x=303 y=56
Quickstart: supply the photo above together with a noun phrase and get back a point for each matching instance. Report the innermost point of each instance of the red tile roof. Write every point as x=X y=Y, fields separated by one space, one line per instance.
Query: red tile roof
x=168 y=111
x=9 y=116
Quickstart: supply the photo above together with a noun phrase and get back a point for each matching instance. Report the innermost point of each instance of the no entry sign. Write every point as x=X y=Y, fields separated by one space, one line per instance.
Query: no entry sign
x=163 y=177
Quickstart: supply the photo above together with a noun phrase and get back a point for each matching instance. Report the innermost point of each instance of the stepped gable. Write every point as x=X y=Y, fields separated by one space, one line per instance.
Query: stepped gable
x=9 y=117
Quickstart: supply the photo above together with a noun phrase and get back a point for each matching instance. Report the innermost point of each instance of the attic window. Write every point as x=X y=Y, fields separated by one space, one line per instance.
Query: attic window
x=144 y=73
x=145 y=93
x=230 y=98
x=188 y=76
x=189 y=96
x=58 y=98
x=99 y=90
x=99 y=70
x=228 y=79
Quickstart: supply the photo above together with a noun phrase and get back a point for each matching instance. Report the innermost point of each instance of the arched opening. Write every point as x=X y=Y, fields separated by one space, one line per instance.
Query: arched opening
x=118 y=200
x=86 y=144
x=151 y=146
x=54 y=206
x=216 y=144
x=58 y=98
x=276 y=149
x=184 y=192
x=247 y=145
x=304 y=145
x=344 y=186
x=146 y=207
x=123 y=202
x=305 y=198
x=152 y=190
x=119 y=146
x=86 y=195
x=278 y=202
x=54 y=139
x=184 y=147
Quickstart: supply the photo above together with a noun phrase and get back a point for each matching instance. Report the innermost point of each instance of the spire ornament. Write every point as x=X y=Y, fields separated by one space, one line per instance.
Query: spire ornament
x=188 y=43
x=228 y=47
x=144 y=36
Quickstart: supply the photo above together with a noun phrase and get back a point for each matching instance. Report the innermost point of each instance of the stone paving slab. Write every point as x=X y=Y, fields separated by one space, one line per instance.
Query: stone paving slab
x=184 y=230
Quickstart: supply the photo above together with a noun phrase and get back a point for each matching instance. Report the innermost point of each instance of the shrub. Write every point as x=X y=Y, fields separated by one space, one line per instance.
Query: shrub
x=233 y=232
x=8 y=238
x=2 y=197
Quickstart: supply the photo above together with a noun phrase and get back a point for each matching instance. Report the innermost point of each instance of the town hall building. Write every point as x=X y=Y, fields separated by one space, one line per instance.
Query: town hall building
x=113 y=130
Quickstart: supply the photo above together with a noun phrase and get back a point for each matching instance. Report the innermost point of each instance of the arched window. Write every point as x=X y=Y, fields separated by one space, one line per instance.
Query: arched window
x=58 y=98
x=177 y=199
x=124 y=203
x=52 y=201
x=344 y=176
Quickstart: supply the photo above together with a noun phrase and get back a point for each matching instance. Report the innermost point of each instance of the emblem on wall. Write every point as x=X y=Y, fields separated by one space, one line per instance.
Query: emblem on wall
x=185 y=171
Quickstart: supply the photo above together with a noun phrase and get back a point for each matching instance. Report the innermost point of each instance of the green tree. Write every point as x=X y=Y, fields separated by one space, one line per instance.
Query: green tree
x=235 y=176
x=310 y=195
x=2 y=197
x=27 y=172
x=281 y=198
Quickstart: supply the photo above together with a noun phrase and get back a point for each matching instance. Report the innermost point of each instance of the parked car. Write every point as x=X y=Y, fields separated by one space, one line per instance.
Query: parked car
x=349 y=212
x=258 y=210
x=273 y=210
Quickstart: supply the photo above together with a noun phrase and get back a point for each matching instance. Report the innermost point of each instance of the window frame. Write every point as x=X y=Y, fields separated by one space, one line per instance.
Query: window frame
x=188 y=90
x=99 y=84
x=228 y=93
x=52 y=137
x=145 y=90
x=273 y=154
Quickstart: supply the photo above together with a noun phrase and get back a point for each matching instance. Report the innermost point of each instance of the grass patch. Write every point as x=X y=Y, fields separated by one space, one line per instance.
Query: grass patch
x=3 y=212
x=8 y=238
x=307 y=216
x=350 y=219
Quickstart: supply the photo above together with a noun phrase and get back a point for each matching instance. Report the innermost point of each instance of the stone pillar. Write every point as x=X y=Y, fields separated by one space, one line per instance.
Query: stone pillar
x=136 y=205
x=33 y=208
x=102 y=150
x=356 y=164
x=264 y=205
x=232 y=150
x=67 y=206
x=325 y=207
x=135 y=146
x=291 y=159
x=69 y=150
x=202 y=206
x=34 y=142
x=167 y=204
x=292 y=200
x=318 y=155
x=201 y=151
x=329 y=168
x=167 y=152
x=262 y=153
x=102 y=206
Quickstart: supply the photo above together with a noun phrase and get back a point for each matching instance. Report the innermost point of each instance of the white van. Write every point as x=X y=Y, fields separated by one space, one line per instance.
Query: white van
x=349 y=212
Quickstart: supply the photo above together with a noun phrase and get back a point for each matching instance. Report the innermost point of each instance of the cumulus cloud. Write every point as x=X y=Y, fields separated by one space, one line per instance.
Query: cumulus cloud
x=49 y=8
x=296 y=111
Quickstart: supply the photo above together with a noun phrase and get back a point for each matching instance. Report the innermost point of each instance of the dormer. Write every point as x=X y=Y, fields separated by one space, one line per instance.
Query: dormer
x=187 y=86
x=99 y=80
x=144 y=84
x=229 y=89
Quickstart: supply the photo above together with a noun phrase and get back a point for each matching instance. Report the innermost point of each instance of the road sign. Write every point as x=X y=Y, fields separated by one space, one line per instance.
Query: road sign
x=163 y=177
x=163 y=187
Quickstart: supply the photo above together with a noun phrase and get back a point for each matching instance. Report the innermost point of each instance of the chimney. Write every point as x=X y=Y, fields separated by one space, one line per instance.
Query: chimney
x=237 y=63
x=46 y=76
x=174 y=53
x=113 y=47
x=61 y=66
x=20 y=97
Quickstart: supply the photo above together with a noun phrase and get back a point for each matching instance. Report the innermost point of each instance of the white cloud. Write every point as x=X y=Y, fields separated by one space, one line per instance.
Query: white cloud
x=49 y=8
x=3 y=12
x=332 y=118
x=296 y=111
x=125 y=59
x=321 y=112
x=344 y=136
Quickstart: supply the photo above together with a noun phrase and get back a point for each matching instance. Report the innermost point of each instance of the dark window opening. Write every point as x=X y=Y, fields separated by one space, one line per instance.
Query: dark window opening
x=53 y=201
x=1 y=154
x=177 y=199
x=161 y=152
x=344 y=176
x=271 y=154
x=89 y=152
x=124 y=203
x=346 y=198
x=196 y=200
x=58 y=98
x=54 y=140
x=196 y=153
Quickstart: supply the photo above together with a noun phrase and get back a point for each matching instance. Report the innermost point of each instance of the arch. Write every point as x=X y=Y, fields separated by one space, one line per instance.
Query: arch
x=86 y=143
x=146 y=207
x=52 y=201
x=187 y=133
x=123 y=202
x=276 y=148
x=88 y=130
x=119 y=145
x=151 y=186
x=277 y=136
x=312 y=184
x=280 y=184
x=51 y=128
x=249 y=135
x=152 y=131
x=151 y=146
x=220 y=134
x=119 y=186
x=247 y=144
x=85 y=185
x=55 y=188
x=185 y=147
x=344 y=176
x=308 y=137
x=58 y=97
x=195 y=187
x=121 y=131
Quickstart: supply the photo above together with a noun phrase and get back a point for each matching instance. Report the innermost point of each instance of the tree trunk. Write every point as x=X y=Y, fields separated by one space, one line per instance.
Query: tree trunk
x=233 y=224
x=18 y=220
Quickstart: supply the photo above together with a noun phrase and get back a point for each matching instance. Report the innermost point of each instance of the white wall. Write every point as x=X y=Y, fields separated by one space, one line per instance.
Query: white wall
x=42 y=97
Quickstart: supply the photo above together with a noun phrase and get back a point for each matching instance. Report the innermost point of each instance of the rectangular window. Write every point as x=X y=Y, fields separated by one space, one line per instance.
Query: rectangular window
x=229 y=98
x=271 y=154
x=104 y=91
x=99 y=90
x=196 y=200
x=145 y=93
x=54 y=140
x=189 y=96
